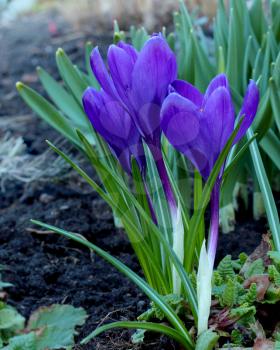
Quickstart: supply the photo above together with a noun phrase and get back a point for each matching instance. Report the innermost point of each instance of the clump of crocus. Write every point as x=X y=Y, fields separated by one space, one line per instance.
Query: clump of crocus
x=199 y=126
x=127 y=109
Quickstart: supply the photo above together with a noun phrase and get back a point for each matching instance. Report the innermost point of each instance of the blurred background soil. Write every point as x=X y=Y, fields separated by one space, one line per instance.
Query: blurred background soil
x=43 y=267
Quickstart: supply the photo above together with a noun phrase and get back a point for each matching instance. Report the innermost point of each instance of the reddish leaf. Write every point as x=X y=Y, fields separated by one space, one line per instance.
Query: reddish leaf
x=263 y=344
x=262 y=282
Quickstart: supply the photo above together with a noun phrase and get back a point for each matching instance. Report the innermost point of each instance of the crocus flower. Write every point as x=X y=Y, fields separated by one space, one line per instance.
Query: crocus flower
x=139 y=81
x=199 y=126
x=114 y=124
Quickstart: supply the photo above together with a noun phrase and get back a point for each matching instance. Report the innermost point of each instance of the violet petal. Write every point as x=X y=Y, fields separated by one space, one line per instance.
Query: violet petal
x=188 y=91
x=219 y=81
x=180 y=122
x=249 y=109
x=101 y=73
x=154 y=70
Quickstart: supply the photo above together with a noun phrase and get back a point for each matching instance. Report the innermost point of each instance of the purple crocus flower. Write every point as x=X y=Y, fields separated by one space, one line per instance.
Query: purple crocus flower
x=199 y=126
x=114 y=124
x=137 y=84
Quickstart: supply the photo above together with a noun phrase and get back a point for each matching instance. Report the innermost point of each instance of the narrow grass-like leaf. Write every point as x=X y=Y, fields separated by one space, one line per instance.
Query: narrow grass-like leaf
x=264 y=118
x=221 y=27
x=114 y=184
x=152 y=294
x=275 y=13
x=138 y=37
x=258 y=21
x=276 y=70
x=159 y=199
x=270 y=143
x=148 y=326
x=178 y=193
x=141 y=196
x=186 y=52
x=189 y=290
x=246 y=63
x=47 y=112
x=198 y=188
x=221 y=61
x=238 y=157
x=93 y=82
x=204 y=70
x=275 y=102
x=270 y=205
x=271 y=209
x=63 y=100
x=70 y=75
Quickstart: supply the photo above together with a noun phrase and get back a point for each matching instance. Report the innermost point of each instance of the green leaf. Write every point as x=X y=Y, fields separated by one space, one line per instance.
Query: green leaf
x=275 y=13
x=22 y=342
x=235 y=42
x=251 y=296
x=246 y=63
x=244 y=313
x=198 y=187
x=138 y=37
x=221 y=61
x=221 y=27
x=270 y=206
x=225 y=268
x=276 y=70
x=274 y=275
x=204 y=70
x=186 y=52
x=230 y=293
x=70 y=75
x=159 y=198
x=117 y=197
x=236 y=159
x=275 y=102
x=47 y=112
x=237 y=337
x=148 y=326
x=264 y=118
x=255 y=268
x=207 y=340
x=63 y=316
x=57 y=325
x=154 y=312
x=93 y=82
x=272 y=295
x=258 y=21
x=152 y=294
x=275 y=256
x=153 y=228
x=10 y=319
x=270 y=143
x=139 y=336
x=265 y=73
x=63 y=100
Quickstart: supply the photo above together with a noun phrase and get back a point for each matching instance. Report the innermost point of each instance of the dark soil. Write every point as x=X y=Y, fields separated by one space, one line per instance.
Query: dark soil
x=46 y=268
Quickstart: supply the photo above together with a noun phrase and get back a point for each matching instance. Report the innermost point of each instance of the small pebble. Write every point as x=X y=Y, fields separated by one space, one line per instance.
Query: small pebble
x=46 y=198
x=64 y=207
